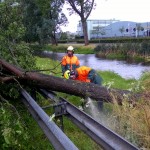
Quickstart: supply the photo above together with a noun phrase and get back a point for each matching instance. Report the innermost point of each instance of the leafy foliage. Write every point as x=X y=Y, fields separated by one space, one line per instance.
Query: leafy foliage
x=13 y=133
x=32 y=19
x=44 y=23
x=14 y=50
x=132 y=52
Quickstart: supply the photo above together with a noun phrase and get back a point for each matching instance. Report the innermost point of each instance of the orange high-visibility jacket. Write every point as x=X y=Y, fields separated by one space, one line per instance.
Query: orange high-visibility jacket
x=69 y=63
x=83 y=73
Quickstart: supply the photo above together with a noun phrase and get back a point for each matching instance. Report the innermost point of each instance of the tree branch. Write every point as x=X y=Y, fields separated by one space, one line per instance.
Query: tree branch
x=6 y=79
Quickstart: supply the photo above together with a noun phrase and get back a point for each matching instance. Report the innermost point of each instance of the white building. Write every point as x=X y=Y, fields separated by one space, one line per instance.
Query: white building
x=93 y=25
x=112 y=28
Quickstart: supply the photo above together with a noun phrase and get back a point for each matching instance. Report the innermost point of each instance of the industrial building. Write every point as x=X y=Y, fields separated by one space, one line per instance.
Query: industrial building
x=114 y=28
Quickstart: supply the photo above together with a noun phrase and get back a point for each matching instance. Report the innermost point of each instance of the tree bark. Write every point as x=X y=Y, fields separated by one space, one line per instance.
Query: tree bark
x=53 y=83
x=84 y=27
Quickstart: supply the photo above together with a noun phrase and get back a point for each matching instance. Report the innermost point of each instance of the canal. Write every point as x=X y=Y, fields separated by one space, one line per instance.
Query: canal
x=122 y=68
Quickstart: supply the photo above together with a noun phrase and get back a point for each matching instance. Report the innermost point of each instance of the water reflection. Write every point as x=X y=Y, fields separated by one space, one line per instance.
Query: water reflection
x=120 y=67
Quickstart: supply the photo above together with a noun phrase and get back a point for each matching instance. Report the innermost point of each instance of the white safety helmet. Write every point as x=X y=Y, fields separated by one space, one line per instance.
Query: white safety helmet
x=70 y=48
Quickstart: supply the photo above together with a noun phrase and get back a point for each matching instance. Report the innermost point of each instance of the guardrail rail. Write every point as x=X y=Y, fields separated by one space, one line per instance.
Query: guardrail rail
x=103 y=136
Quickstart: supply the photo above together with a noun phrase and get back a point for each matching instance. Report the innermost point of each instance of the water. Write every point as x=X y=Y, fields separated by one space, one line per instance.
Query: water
x=122 y=68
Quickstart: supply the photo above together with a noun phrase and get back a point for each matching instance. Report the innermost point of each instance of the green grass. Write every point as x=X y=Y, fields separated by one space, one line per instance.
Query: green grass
x=79 y=49
x=117 y=56
x=52 y=67
x=113 y=80
x=79 y=138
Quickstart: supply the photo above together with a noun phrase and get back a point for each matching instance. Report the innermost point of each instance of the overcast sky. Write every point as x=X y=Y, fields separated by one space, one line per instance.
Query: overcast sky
x=123 y=10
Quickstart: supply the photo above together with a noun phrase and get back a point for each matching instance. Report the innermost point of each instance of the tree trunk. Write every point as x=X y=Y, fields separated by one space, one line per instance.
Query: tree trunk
x=53 y=39
x=84 y=26
x=53 y=83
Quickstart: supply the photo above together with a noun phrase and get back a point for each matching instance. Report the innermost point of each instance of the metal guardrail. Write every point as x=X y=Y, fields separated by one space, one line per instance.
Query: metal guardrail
x=99 y=133
x=58 y=139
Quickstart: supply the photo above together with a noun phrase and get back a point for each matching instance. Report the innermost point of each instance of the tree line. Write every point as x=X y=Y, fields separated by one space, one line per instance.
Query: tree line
x=41 y=21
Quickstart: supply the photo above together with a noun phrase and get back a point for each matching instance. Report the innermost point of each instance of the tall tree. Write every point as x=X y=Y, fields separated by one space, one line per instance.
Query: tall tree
x=43 y=20
x=32 y=19
x=83 y=8
x=57 y=18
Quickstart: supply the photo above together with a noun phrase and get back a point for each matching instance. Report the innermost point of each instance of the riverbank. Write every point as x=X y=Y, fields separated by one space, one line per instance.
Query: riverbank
x=78 y=48
x=120 y=67
x=125 y=52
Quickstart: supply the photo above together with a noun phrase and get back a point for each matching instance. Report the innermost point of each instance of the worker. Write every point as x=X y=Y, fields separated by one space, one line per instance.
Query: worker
x=84 y=74
x=69 y=61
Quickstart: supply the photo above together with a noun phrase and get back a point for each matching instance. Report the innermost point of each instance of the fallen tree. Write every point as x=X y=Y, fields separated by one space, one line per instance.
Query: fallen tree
x=53 y=83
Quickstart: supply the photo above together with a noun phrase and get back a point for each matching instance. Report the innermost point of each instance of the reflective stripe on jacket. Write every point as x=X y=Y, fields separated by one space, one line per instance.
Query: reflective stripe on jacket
x=69 y=63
